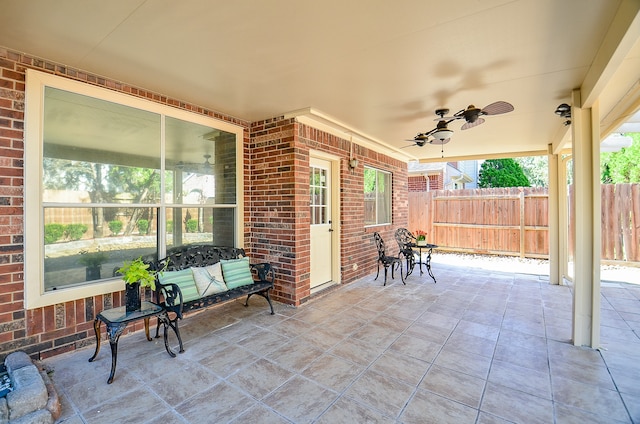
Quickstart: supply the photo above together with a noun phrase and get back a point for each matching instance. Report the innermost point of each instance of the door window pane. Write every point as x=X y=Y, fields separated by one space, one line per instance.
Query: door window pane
x=319 y=201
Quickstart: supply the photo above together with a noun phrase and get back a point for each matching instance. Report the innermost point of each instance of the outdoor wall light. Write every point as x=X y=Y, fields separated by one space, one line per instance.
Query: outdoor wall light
x=353 y=162
x=564 y=111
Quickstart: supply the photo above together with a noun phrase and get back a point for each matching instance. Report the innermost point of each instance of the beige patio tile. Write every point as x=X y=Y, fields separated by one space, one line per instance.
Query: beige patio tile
x=465 y=362
x=454 y=385
x=404 y=368
x=522 y=356
x=119 y=409
x=300 y=400
x=219 y=403
x=228 y=360
x=176 y=390
x=418 y=348
x=346 y=410
x=260 y=414
x=516 y=406
x=263 y=342
x=393 y=361
x=380 y=392
x=333 y=372
x=470 y=343
x=427 y=407
x=588 y=397
x=516 y=377
x=357 y=351
x=569 y=415
x=260 y=378
x=295 y=355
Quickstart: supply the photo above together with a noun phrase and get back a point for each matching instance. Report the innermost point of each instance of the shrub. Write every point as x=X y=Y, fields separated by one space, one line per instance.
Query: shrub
x=93 y=259
x=75 y=231
x=115 y=227
x=169 y=226
x=53 y=233
x=192 y=225
x=143 y=226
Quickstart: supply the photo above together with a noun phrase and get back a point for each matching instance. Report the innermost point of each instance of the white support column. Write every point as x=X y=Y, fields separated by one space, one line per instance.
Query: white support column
x=563 y=218
x=586 y=182
x=555 y=276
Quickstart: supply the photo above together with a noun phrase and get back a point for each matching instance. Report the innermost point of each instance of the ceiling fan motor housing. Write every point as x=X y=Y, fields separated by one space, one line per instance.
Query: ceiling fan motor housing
x=471 y=114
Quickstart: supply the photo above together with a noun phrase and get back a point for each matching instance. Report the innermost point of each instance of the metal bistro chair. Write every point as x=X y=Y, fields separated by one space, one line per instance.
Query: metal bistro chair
x=405 y=240
x=386 y=260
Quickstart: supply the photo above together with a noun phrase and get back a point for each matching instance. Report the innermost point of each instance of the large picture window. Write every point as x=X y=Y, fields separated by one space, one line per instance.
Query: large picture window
x=377 y=197
x=111 y=177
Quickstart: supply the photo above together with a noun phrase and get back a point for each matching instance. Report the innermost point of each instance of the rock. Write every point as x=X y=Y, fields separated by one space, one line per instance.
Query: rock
x=29 y=392
x=33 y=399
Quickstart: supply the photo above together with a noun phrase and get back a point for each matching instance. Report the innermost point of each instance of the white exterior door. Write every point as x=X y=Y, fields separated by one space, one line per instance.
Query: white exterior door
x=321 y=222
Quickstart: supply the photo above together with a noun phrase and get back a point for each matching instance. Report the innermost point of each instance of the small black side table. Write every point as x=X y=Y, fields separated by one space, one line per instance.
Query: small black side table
x=116 y=321
x=429 y=248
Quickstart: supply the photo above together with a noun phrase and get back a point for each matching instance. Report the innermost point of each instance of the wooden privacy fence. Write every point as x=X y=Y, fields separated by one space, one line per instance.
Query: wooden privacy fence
x=621 y=222
x=515 y=221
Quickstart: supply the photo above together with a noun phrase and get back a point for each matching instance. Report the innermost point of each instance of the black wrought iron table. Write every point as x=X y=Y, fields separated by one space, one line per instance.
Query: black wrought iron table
x=429 y=250
x=116 y=321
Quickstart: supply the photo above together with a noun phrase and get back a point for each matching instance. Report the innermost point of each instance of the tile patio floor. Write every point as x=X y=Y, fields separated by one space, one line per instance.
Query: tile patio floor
x=477 y=347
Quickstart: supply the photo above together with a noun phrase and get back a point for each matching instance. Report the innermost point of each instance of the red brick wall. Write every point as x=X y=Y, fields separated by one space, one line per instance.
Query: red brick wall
x=51 y=330
x=436 y=182
x=431 y=182
x=276 y=216
x=280 y=152
x=418 y=183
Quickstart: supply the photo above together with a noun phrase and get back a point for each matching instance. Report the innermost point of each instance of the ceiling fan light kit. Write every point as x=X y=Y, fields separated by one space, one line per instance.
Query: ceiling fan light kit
x=442 y=135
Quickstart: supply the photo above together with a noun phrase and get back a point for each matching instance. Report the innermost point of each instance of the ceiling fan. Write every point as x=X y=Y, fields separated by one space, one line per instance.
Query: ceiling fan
x=472 y=115
x=205 y=167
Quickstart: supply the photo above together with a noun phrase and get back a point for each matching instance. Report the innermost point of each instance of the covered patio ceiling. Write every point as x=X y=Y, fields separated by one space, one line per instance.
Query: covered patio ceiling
x=375 y=71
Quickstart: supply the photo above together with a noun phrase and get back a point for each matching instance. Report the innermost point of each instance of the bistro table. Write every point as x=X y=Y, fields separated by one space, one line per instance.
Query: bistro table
x=429 y=250
x=116 y=320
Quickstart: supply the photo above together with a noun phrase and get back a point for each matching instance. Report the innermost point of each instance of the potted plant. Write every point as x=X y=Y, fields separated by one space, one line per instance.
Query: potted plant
x=421 y=238
x=93 y=261
x=136 y=274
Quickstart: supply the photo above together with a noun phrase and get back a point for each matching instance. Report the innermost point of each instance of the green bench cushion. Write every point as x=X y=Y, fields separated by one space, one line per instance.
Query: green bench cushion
x=184 y=280
x=236 y=272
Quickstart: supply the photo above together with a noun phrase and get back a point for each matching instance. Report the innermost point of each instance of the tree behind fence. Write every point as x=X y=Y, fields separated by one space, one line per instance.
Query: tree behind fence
x=515 y=221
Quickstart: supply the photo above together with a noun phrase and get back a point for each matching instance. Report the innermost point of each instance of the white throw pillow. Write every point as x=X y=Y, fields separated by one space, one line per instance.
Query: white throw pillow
x=205 y=282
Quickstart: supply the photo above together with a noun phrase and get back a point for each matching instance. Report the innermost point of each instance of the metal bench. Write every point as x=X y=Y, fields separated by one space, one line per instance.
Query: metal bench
x=170 y=296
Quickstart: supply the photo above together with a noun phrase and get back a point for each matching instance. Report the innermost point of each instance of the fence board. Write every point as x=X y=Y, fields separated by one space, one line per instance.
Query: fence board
x=625 y=218
x=515 y=221
x=608 y=235
x=634 y=251
x=617 y=225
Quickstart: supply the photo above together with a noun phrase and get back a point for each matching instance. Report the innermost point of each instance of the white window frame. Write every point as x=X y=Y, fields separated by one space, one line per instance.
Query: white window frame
x=36 y=81
x=389 y=193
